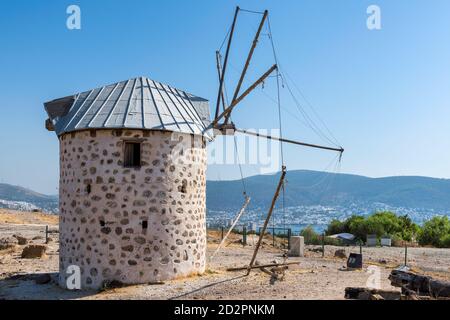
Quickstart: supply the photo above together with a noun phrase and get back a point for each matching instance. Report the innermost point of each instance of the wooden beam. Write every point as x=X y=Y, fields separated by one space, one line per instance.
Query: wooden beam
x=222 y=77
x=269 y=214
x=247 y=62
x=236 y=219
x=263 y=266
x=242 y=96
x=219 y=72
x=423 y=285
x=341 y=150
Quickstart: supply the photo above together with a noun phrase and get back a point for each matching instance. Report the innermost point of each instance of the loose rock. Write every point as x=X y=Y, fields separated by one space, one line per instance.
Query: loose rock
x=340 y=253
x=34 y=251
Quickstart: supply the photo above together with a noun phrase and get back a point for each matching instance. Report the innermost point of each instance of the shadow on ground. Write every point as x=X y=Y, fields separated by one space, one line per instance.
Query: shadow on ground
x=37 y=286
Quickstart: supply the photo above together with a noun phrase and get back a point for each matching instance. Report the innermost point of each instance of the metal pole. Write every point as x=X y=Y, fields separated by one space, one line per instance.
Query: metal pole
x=244 y=235
x=222 y=232
x=269 y=214
x=46 y=234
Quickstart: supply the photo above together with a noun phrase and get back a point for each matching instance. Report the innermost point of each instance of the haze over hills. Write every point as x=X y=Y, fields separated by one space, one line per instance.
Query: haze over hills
x=310 y=197
x=19 y=198
x=315 y=198
x=328 y=189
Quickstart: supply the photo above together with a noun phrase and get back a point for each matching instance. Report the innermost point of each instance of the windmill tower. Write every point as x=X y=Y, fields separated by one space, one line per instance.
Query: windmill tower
x=132 y=182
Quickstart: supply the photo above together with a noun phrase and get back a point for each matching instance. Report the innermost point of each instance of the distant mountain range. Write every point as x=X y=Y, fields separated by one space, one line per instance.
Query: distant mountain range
x=19 y=198
x=310 y=188
x=303 y=188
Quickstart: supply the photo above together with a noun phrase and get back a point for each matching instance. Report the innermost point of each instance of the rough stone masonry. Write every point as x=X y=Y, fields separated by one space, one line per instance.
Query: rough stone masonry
x=133 y=225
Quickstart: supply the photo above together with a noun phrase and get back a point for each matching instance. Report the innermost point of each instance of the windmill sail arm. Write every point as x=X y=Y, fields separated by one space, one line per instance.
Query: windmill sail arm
x=340 y=149
x=243 y=95
x=247 y=62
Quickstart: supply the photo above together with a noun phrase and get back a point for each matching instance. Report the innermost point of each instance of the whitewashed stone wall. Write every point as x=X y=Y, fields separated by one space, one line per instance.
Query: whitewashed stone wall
x=104 y=206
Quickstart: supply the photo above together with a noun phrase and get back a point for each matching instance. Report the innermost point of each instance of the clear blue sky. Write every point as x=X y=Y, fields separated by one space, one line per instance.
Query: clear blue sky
x=384 y=94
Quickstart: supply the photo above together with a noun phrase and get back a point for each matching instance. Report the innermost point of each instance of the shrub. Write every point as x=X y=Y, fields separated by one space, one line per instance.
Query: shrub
x=312 y=237
x=335 y=227
x=445 y=241
x=379 y=223
x=435 y=232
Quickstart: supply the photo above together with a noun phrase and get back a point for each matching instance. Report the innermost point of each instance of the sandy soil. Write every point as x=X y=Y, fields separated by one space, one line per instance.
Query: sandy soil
x=314 y=277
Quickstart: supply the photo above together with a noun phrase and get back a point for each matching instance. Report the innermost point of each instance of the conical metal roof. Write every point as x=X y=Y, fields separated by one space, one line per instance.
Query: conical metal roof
x=138 y=103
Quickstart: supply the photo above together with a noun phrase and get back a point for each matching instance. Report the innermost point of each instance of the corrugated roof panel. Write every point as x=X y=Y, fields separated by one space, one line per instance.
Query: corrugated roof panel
x=176 y=112
x=117 y=117
x=95 y=106
x=152 y=118
x=79 y=114
x=135 y=103
x=166 y=115
x=196 y=122
x=133 y=118
x=101 y=116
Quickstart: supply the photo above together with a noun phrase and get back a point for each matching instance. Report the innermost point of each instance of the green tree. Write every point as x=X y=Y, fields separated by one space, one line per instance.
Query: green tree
x=435 y=232
x=335 y=227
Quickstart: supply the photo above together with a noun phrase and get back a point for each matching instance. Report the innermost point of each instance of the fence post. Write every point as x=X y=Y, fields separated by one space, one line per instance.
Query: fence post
x=406 y=254
x=323 y=244
x=289 y=238
x=244 y=235
x=273 y=236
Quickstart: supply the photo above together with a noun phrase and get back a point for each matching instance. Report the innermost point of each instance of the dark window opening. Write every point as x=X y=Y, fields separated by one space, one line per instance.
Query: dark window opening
x=102 y=223
x=88 y=189
x=132 y=154
x=144 y=224
x=183 y=187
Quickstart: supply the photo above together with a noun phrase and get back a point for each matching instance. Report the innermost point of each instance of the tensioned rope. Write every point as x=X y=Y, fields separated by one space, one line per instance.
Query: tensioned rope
x=283 y=188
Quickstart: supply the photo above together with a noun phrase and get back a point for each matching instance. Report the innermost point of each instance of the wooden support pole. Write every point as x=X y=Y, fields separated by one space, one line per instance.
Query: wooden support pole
x=222 y=76
x=242 y=96
x=263 y=266
x=247 y=62
x=219 y=72
x=236 y=219
x=341 y=150
x=261 y=235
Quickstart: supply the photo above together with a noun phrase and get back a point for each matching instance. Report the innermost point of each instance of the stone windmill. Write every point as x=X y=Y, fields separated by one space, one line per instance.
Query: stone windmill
x=132 y=182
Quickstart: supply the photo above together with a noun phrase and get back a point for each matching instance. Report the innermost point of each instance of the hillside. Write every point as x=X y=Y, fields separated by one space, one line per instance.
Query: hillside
x=303 y=188
x=19 y=198
x=306 y=188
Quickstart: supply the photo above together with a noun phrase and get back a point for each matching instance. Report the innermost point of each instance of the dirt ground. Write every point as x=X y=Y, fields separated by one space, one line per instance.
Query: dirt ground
x=314 y=277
